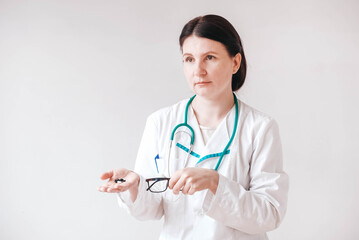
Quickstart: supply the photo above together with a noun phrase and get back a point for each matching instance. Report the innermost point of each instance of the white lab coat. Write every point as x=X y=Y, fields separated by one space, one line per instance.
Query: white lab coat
x=251 y=197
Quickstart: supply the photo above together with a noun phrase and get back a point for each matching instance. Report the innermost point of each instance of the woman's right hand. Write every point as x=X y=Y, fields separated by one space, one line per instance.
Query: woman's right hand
x=131 y=183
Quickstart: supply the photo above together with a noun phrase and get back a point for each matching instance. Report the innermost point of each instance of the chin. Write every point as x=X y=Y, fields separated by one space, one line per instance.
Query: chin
x=204 y=93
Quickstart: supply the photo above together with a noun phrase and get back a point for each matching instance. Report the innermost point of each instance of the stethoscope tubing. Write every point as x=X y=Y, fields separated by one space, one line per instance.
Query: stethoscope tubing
x=233 y=133
x=185 y=124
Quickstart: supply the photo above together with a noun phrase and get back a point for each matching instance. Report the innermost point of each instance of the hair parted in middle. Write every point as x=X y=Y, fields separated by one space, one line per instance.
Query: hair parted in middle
x=219 y=29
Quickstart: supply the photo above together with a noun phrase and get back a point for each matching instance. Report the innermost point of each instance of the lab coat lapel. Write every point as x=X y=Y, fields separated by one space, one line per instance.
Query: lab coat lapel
x=216 y=144
x=198 y=140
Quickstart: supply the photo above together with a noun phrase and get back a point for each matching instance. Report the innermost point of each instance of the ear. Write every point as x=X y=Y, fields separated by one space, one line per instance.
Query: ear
x=236 y=62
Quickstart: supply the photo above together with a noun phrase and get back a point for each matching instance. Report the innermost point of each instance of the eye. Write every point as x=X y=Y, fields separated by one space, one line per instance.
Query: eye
x=210 y=57
x=188 y=59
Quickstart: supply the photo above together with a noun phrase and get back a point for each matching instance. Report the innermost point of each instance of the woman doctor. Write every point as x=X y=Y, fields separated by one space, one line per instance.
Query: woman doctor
x=229 y=184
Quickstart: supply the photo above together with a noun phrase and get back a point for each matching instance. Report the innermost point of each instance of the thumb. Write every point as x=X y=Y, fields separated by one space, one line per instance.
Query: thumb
x=107 y=175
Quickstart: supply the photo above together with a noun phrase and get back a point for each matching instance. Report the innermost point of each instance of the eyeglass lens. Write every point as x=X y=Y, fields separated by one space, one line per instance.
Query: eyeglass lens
x=157 y=185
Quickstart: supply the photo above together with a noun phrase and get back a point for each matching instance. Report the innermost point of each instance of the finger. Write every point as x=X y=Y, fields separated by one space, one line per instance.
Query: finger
x=105 y=186
x=113 y=190
x=173 y=180
x=107 y=189
x=107 y=175
x=121 y=187
x=186 y=188
x=179 y=185
x=102 y=189
x=112 y=187
x=120 y=173
x=192 y=190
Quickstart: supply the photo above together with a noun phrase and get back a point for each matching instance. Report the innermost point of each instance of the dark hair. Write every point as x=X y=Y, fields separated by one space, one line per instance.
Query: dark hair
x=217 y=28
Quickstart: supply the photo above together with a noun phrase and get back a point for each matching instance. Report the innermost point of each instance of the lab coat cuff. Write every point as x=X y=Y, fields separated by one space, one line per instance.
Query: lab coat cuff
x=210 y=198
x=124 y=198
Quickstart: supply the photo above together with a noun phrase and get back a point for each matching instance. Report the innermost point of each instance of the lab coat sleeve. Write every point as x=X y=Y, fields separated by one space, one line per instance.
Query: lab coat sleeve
x=147 y=205
x=262 y=207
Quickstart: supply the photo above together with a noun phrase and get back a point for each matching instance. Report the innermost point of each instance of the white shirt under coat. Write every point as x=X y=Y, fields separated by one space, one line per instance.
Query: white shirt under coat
x=251 y=197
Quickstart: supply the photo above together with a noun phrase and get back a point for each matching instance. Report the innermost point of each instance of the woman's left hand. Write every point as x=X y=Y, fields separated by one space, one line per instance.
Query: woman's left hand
x=192 y=180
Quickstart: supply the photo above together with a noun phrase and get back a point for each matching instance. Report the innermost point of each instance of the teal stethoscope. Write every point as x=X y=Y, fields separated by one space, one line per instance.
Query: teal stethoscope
x=186 y=125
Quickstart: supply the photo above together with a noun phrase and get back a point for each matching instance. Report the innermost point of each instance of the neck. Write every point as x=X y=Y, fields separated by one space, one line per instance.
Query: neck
x=210 y=112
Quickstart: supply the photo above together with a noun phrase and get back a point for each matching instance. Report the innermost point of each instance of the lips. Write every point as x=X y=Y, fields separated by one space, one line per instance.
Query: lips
x=201 y=83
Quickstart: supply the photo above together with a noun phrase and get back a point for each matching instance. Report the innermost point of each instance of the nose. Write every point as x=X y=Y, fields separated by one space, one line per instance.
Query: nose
x=199 y=69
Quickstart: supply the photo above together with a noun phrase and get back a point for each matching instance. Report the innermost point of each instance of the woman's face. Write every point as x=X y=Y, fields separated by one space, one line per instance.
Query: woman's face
x=208 y=67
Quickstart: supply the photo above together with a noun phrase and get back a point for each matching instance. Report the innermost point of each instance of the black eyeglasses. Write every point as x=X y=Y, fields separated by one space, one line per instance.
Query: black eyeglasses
x=157 y=185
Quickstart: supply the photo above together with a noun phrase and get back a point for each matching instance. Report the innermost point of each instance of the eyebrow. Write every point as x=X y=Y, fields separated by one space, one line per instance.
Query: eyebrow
x=212 y=52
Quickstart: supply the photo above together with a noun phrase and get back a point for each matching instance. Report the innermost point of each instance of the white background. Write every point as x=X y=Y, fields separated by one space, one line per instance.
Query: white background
x=78 y=79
